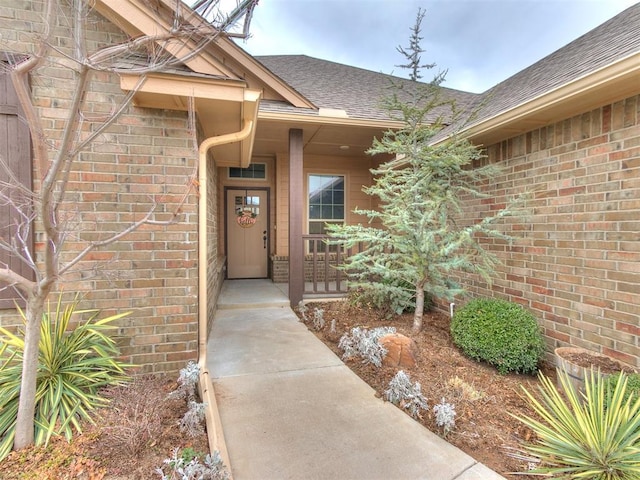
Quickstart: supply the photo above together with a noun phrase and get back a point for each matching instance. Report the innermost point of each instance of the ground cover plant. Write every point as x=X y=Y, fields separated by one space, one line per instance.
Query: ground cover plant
x=464 y=401
x=136 y=434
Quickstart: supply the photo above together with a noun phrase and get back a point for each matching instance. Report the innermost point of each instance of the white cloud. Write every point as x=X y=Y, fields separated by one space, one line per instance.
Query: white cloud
x=480 y=42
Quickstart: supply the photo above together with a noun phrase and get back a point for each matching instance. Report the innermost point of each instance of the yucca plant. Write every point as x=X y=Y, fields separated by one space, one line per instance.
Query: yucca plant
x=73 y=364
x=593 y=435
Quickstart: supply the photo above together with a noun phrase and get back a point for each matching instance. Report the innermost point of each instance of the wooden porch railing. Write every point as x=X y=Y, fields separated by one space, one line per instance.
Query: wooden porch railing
x=320 y=261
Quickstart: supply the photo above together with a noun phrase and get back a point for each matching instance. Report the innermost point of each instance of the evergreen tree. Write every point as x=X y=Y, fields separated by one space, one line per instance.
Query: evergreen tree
x=421 y=241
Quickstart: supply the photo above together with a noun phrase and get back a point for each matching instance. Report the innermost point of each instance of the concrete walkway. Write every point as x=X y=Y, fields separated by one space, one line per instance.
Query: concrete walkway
x=290 y=408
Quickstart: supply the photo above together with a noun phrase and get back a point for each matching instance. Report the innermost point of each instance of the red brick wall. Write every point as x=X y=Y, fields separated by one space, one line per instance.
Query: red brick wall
x=146 y=156
x=576 y=259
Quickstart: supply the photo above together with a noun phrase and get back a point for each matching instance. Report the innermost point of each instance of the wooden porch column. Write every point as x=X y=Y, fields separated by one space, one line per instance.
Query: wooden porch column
x=296 y=204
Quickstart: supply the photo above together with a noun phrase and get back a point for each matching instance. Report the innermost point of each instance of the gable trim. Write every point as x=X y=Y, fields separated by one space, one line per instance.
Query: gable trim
x=135 y=17
x=606 y=85
x=328 y=120
x=264 y=74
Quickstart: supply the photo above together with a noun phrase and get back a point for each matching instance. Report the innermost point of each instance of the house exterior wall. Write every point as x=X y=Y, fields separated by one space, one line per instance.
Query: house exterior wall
x=575 y=262
x=357 y=174
x=145 y=155
x=215 y=257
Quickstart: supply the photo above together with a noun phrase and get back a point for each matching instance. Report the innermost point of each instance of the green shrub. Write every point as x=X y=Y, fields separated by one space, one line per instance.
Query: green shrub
x=633 y=385
x=72 y=366
x=579 y=436
x=500 y=333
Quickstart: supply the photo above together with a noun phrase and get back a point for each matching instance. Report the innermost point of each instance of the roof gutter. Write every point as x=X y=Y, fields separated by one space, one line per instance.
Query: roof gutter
x=214 y=425
x=328 y=120
x=581 y=86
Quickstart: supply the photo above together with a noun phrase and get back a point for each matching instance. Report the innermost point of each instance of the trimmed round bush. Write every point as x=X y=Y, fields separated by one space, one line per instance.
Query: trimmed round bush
x=500 y=333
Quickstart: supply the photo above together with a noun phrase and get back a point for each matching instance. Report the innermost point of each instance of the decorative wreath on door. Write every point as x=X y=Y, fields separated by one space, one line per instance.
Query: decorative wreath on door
x=246 y=218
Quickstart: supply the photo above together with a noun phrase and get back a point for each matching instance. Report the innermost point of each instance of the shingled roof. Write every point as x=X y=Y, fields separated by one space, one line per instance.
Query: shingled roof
x=336 y=86
x=358 y=92
x=610 y=42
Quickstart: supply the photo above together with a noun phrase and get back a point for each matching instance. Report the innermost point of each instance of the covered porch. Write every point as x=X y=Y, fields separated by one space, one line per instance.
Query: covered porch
x=309 y=176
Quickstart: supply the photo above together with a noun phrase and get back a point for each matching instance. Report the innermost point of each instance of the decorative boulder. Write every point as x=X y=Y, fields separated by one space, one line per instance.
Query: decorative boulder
x=402 y=351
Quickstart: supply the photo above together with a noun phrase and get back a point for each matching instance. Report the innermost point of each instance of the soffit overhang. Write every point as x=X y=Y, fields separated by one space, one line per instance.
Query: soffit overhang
x=220 y=58
x=607 y=85
x=222 y=107
x=323 y=135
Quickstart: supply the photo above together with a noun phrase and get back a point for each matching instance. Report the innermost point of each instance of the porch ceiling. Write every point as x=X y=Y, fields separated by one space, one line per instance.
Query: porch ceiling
x=272 y=136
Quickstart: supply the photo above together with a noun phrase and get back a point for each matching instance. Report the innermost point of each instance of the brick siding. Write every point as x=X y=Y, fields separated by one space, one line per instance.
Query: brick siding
x=576 y=259
x=147 y=155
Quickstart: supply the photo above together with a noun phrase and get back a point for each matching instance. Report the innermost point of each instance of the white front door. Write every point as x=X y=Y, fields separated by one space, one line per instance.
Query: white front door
x=247 y=233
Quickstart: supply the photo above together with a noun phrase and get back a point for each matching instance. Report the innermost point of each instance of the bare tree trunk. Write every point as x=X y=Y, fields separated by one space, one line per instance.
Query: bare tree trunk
x=419 y=312
x=27 y=404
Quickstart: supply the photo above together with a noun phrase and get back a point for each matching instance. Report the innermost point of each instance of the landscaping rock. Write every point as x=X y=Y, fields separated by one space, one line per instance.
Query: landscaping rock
x=401 y=350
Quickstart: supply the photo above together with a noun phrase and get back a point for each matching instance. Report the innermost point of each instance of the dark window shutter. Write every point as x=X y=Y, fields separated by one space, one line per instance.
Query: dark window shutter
x=15 y=149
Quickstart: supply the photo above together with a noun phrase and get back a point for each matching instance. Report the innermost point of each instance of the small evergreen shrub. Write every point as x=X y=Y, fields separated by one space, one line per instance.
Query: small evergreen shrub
x=632 y=390
x=500 y=333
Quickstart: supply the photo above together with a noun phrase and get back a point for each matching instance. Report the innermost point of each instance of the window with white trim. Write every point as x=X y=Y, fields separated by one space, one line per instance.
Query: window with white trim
x=326 y=201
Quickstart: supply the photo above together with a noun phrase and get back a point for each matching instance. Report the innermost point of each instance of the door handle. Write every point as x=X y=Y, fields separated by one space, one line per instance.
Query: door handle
x=264 y=238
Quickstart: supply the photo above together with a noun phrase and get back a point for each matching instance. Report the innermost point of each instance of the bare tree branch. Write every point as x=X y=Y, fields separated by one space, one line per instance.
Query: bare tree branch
x=15 y=280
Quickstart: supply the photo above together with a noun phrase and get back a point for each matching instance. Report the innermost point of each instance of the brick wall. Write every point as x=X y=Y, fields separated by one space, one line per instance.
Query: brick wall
x=215 y=260
x=146 y=156
x=576 y=260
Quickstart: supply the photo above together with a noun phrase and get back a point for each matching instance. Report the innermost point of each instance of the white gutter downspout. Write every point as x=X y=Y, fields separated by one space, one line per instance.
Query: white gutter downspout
x=214 y=425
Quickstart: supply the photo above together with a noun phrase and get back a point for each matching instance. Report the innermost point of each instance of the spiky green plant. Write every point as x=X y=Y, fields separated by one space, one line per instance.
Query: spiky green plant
x=593 y=435
x=73 y=364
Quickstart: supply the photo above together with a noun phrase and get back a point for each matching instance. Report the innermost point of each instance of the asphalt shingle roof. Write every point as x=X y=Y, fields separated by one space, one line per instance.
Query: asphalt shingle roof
x=333 y=85
x=357 y=91
x=613 y=40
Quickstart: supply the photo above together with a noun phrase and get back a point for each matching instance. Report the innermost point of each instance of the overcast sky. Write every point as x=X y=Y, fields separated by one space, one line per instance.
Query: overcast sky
x=479 y=42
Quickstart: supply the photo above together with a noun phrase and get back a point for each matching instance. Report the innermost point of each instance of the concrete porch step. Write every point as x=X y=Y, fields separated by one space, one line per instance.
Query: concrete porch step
x=253 y=293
